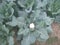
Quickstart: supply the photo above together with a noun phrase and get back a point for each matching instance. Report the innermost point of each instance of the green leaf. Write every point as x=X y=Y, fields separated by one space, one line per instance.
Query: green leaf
x=21 y=3
x=21 y=22
x=10 y=0
x=1 y=18
x=28 y=40
x=57 y=19
x=42 y=24
x=22 y=14
x=49 y=29
x=11 y=40
x=43 y=36
x=13 y=22
x=55 y=6
x=41 y=3
x=29 y=3
x=24 y=32
x=26 y=3
x=32 y=39
x=5 y=29
x=48 y=20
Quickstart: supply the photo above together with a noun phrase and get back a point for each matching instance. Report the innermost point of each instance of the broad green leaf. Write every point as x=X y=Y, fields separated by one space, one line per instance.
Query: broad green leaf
x=5 y=29
x=48 y=20
x=21 y=3
x=11 y=40
x=13 y=22
x=42 y=24
x=29 y=3
x=21 y=22
x=26 y=3
x=1 y=18
x=43 y=36
x=22 y=14
x=49 y=29
x=57 y=19
x=32 y=38
x=10 y=0
x=41 y=3
x=26 y=41
x=24 y=32
x=55 y=6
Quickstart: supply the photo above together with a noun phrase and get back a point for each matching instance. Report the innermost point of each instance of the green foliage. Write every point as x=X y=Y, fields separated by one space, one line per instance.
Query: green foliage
x=55 y=6
x=11 y=40
x=54 y=10
x=21 y=13
x=26 y=3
